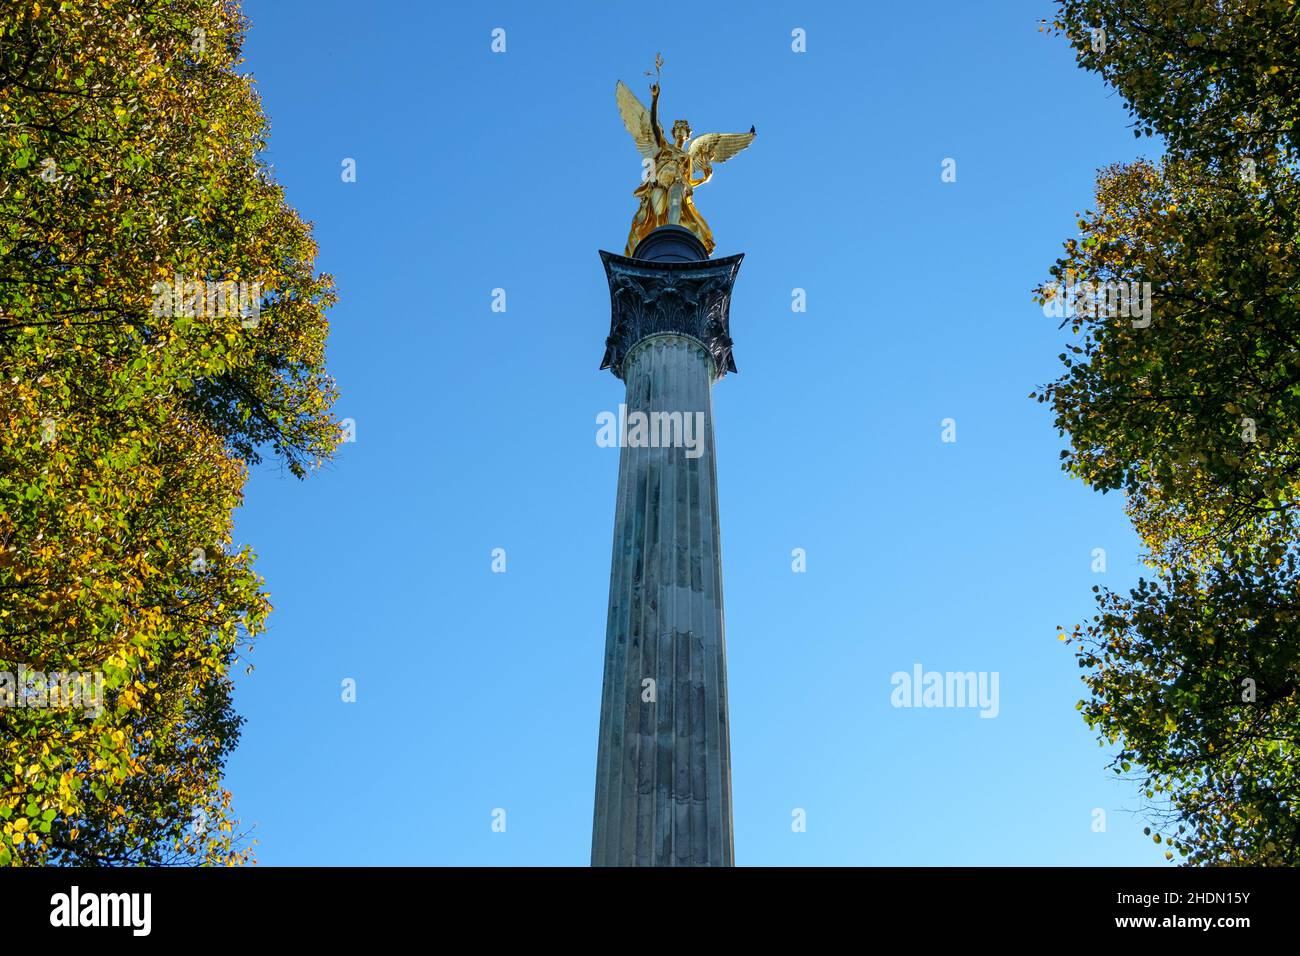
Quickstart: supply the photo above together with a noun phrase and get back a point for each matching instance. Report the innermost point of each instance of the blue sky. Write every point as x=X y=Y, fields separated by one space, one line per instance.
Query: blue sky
x=476 y=430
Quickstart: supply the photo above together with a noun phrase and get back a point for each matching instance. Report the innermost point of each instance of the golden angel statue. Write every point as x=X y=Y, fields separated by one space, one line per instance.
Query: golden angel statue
x=665 y=193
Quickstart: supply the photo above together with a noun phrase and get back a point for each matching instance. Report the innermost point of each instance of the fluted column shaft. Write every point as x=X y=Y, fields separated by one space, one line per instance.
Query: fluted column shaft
x=663 y=777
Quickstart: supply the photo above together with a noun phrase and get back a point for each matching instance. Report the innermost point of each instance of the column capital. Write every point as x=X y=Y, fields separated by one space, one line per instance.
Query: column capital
x=689 y=298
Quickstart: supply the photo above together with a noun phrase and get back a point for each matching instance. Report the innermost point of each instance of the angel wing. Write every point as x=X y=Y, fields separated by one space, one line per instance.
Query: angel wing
x=637 y=120
x=709 y=148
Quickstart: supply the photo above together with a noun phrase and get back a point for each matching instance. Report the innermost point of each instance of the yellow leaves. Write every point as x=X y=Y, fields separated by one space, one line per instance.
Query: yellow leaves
x=119 y=597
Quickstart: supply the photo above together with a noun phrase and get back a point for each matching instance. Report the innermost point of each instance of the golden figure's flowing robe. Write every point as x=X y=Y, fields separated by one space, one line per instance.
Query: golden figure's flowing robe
x=665 y=199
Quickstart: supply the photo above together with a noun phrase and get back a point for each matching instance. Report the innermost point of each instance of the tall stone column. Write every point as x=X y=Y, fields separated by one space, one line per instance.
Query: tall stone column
x=663 y=766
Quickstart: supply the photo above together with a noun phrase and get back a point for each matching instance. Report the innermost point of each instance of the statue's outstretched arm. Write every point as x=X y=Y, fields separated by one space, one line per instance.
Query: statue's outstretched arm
x=654 y=114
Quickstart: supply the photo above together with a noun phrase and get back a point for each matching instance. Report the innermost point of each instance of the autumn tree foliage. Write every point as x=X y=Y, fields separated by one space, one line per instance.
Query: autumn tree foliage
x=1195 y=674
x=133 y=399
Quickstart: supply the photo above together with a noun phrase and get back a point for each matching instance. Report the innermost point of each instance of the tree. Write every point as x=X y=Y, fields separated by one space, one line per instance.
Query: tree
x=1220 y=81
x=1195 y=678
x=1192 y=411
x=138 y=382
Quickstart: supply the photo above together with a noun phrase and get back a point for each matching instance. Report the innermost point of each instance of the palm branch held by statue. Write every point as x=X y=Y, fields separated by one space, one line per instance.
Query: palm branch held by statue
x=665 y=196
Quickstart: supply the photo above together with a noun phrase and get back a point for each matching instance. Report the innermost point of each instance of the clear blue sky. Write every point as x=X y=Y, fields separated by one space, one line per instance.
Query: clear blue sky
x=476 y=430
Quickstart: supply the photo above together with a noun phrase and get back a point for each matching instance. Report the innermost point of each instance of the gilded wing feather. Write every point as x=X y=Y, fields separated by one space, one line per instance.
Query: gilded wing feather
x=637 y=120
x=711 y=148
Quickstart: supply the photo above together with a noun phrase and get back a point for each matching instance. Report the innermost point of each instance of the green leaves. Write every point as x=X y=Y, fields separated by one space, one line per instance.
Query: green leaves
x=1216 y=81
x=1196 y=417
x=125 y=435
